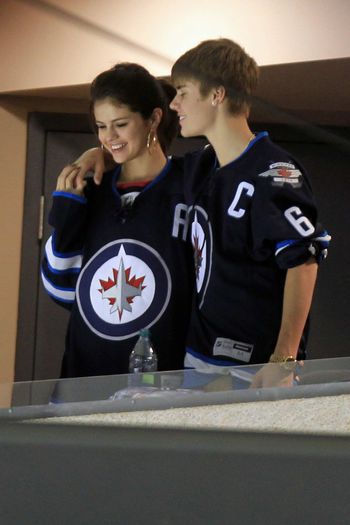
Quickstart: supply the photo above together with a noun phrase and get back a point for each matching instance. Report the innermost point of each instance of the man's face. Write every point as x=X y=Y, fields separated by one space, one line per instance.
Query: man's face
x=195 y=111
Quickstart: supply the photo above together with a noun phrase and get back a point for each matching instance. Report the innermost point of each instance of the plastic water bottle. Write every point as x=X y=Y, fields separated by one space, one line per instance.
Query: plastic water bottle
x=143 y=358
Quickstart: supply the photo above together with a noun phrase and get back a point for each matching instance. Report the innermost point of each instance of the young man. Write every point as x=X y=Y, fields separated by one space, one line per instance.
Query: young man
x=253 y=221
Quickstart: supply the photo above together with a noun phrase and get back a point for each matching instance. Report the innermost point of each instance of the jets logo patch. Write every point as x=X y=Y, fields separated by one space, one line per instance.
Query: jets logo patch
x=281 y=173
x=124 y=287
x=201 y=238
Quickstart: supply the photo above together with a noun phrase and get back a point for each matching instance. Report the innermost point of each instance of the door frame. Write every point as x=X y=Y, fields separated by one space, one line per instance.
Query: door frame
x=39 y=125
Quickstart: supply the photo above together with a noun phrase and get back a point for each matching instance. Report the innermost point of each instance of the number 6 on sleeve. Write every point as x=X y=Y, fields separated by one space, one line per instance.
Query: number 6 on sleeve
x=301 y=223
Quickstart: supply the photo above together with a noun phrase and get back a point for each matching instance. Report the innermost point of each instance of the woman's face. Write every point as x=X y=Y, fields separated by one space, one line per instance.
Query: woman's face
x=121 y=131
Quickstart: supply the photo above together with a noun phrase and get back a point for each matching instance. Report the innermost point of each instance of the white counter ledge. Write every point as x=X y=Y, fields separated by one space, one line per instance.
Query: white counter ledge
x=330 y=415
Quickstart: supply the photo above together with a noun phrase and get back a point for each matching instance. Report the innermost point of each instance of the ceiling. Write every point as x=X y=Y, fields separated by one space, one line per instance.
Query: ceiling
x=316 y=90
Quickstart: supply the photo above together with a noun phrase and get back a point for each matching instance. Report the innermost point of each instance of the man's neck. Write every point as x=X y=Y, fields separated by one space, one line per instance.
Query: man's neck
x=230 y=136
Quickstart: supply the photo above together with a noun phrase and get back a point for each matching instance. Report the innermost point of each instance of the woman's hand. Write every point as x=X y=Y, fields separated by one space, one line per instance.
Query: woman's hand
x=94 y=160
x=72 y=177
x=69 y=180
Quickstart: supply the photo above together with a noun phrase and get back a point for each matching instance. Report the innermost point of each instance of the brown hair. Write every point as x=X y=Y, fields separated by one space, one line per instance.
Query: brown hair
x=133 y=85
x=220 y=62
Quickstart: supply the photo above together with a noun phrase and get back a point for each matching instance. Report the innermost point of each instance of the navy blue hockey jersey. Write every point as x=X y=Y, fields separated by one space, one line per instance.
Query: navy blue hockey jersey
x=250 y=221
x=121 y=264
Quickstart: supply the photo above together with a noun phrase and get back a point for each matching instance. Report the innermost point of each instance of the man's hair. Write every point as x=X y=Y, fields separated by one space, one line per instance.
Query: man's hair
x=220 y=62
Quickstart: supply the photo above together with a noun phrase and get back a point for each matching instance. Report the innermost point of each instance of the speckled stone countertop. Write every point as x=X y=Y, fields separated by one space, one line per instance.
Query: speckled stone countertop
x=320 y=415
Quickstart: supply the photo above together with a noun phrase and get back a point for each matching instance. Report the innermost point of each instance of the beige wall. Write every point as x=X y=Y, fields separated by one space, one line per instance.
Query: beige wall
x=12 y=158
x=42 y=46
x=13 y=135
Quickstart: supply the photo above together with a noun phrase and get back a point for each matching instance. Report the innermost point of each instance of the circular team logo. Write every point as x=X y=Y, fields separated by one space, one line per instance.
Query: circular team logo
x=201 y=238
x=124 y=287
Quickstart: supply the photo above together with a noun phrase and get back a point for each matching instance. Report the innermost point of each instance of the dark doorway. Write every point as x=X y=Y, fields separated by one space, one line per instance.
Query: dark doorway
x=54 y=140
x=325 y=154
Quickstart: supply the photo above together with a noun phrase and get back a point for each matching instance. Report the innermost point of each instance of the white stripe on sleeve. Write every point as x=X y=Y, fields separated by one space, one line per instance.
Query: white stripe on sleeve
x=59 y=262
x=60 y=294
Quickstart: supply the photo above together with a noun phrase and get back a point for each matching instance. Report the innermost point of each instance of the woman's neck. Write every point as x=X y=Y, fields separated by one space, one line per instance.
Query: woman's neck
x=144 y=167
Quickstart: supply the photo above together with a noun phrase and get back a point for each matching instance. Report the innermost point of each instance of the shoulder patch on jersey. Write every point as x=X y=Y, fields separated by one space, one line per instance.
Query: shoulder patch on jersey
x=280 y=173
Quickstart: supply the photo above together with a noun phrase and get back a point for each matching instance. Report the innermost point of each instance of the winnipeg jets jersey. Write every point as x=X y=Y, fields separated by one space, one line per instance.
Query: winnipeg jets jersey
x=122 y=264
x=250 y=221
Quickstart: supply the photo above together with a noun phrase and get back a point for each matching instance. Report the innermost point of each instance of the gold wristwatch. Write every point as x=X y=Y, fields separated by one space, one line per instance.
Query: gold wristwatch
x=288 y=362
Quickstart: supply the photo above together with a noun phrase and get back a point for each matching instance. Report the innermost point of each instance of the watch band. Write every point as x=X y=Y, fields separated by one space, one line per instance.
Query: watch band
x=274 y=358
x=287 y=362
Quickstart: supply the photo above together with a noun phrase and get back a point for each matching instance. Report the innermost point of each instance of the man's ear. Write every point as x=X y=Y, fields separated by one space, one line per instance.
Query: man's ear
x=218 y=95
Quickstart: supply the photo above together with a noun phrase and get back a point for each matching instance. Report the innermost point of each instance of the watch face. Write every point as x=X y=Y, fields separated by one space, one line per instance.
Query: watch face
x=289 y=364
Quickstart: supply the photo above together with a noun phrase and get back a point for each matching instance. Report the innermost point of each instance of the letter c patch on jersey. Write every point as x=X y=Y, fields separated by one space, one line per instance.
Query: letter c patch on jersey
x=124 y=287
x=236 y=208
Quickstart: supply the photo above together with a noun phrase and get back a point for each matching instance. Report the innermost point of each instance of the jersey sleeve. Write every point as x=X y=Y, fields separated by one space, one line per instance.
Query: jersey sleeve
x=285 y=218
x=63 y=250
x=197 y=168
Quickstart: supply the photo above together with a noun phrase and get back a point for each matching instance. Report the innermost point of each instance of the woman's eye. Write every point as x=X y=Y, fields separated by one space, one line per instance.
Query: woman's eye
x=122 y=125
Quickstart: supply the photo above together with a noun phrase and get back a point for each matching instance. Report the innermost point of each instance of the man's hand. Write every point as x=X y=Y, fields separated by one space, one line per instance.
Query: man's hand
x=273 y=374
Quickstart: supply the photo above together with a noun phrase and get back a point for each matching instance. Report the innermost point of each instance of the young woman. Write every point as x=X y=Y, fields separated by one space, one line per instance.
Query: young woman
x=117 y=255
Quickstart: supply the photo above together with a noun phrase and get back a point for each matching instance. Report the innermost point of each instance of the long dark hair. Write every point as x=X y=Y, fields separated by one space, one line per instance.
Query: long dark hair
x=132 y=85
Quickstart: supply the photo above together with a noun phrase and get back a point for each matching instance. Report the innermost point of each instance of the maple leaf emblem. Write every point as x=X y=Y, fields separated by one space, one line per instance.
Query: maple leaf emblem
x=197 y=253
x=284 y=172
x=121 y=290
